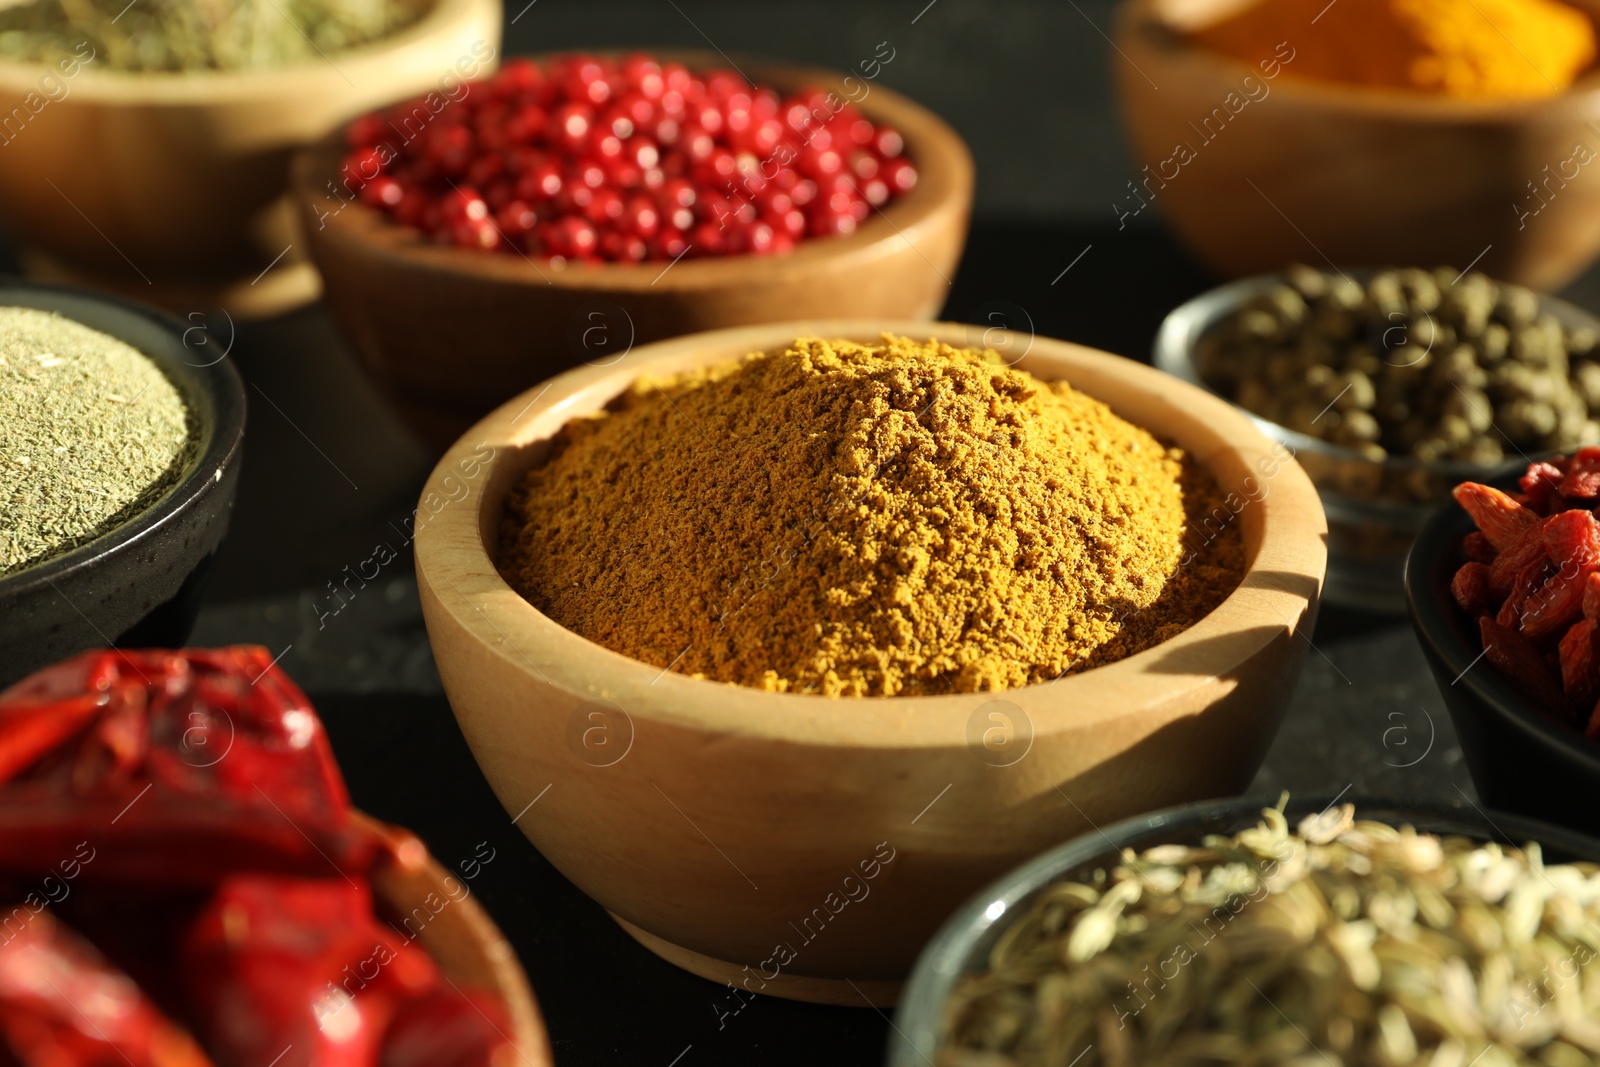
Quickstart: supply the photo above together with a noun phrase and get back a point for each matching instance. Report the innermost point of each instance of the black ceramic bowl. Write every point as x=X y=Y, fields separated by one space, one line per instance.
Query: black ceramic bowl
x=139 y=584
x=963 y=944
x=1521 y=758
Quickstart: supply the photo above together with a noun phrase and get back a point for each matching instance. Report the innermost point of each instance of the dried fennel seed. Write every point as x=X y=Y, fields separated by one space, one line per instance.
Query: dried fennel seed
x=868 y=520
x=1347 y=944
x=91 y=433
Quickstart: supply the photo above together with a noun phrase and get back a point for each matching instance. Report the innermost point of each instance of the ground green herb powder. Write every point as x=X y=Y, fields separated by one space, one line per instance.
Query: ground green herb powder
x=91 y=434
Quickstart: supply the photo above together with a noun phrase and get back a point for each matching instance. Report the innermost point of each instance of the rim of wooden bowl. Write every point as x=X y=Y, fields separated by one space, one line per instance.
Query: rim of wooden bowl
x=455 y=569
x=410 y=52
x=459 y=935
x=944 y=183
x=1143 y=23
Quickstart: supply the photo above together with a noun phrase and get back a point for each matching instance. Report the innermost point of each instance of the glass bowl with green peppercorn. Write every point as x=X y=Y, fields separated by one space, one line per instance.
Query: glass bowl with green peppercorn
x=1391 y=386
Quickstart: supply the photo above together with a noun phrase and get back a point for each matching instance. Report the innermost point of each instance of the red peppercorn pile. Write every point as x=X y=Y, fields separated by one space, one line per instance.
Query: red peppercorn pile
x=1532 y=581
x=593 y=160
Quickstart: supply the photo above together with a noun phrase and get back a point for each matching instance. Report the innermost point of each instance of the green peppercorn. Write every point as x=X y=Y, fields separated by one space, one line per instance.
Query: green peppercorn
x=1517 y=306
x=1582 y=342
x=1432 y=364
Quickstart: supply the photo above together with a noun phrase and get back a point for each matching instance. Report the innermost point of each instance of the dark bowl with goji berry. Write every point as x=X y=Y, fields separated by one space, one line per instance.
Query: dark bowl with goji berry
x=1503 y=585
x=139 y=583
x=466 y=256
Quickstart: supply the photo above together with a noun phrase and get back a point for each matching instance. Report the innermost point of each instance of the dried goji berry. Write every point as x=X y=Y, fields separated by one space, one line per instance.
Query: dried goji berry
x=1477 y=548
x=1528 y=582
x=1515 y=657
x=1572 y=537
x=1582 y=480
x=1556 y=604
x=1593 y=732
x=1581 y=484
x=1527 y=549
x=1580 y=668
x=1591 y=598
x=1499 y=517
x=1470 y=587
x=1541 y=486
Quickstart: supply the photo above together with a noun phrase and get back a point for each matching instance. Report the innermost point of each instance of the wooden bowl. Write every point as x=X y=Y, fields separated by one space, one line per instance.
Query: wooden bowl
x=1321 y=173
x=460 y=936
x=722 y=826
x=450 y=333
x=171 y=187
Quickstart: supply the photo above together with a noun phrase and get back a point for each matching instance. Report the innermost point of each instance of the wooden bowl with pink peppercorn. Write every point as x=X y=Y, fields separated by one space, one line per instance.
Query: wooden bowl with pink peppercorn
x=448 y=331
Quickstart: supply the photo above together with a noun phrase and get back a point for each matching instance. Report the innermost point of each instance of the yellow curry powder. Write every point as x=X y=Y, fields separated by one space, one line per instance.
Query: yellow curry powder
x=847 y=519
x=1507 y=49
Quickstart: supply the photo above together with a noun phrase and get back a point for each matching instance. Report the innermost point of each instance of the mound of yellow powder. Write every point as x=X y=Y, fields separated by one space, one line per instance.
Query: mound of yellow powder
x=1508 y=49
x=865 y=520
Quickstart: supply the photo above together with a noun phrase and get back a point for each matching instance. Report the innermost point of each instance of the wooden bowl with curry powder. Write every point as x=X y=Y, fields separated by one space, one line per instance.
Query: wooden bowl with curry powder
x=807 y=846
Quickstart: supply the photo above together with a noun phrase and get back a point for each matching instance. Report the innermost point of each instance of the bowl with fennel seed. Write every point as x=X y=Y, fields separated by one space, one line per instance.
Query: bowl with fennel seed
x=1373 y=932
x=120 y=446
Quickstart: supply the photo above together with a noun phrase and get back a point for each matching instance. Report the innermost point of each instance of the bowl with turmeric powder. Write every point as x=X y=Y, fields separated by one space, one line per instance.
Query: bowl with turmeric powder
x=1366 y=132
x=780 y=641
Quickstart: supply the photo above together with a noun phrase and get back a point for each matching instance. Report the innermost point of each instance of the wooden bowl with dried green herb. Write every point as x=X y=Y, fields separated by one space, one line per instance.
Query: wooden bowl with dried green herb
x=808 y=646
x=1363 y=934
x=146 y=147
x=119 y=458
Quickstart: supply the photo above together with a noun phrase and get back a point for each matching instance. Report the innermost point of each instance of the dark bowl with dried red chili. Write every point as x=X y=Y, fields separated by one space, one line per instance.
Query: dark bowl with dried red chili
x=1503 y=585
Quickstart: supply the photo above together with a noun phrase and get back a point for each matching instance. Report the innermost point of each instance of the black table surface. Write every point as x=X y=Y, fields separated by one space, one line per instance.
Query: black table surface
x=329 y=473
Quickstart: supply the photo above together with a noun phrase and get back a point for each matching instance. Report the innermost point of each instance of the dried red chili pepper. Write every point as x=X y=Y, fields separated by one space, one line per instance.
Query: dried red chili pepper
x=448 y=1031
x=63 y=1005
x=185 y=765
x=262 y=962
x=221 y=824
x=300 y=968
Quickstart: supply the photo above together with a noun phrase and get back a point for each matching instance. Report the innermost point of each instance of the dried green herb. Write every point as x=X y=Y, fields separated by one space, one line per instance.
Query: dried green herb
x=1347 y=944
x=91 y=434
x=183 y=35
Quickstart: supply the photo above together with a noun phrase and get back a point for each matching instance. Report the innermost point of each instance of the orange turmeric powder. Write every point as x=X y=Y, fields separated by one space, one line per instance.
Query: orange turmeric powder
x=1482 y=49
